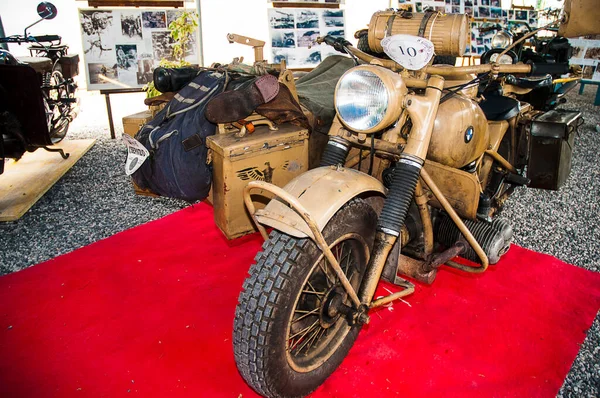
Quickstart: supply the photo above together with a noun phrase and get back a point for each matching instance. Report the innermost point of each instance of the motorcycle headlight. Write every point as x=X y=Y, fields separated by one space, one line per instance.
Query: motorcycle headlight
x=501 y=39
x=369 y=98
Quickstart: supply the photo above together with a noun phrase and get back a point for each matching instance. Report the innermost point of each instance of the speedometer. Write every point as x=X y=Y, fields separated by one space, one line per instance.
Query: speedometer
x=501 y=59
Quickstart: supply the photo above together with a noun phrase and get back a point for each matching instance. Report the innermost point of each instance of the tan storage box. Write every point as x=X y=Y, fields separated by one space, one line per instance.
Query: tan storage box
x=271 y=156
x=133 y=123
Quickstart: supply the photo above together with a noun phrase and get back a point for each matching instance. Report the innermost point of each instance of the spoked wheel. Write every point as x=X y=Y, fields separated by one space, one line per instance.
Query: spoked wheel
x=292 y=327
x=59 y=107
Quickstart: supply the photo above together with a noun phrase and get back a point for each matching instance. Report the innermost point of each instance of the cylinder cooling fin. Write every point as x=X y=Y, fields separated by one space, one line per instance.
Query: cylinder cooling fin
x=494 y=238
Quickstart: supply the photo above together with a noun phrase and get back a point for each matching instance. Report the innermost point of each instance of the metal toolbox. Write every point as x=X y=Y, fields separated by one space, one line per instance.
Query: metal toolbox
x=271 y=156
x=551 y=148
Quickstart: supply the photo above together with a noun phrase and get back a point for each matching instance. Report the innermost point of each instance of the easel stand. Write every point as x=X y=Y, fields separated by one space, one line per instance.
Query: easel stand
x=107 y=94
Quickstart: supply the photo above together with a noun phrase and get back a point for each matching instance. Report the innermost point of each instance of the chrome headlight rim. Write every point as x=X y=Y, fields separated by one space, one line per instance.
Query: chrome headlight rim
x=394 y=91
x=501 y=39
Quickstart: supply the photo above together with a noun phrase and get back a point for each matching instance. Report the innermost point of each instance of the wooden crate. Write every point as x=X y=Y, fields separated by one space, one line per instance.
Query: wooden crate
x=271 y=156
x=133 y=123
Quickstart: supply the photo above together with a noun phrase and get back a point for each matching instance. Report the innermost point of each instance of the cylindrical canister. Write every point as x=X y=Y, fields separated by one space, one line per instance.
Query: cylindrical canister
x=448 y=32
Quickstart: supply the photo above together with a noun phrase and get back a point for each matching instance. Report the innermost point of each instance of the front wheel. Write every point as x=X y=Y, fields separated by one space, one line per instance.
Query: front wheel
x=289 y=331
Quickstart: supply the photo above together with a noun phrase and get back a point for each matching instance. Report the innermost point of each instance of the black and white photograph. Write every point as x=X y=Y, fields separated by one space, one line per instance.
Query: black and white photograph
x=172 y=15
x=162 y=46
x=280 y=55
x=307 y=19
x=521 y=15
x=281 y=19
x=126 y=56
x=98 y=42
x=154 y=19
x=313 y=58
x=144 y=72
x=333 y=18
x=336 y=33
x=101 y=73
x=307 y=38
x=283 y=39
x=484 y=12
x=131 y=25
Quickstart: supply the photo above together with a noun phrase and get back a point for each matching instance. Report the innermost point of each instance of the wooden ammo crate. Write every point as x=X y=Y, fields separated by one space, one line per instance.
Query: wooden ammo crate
x=271 y=156
x=133 y=123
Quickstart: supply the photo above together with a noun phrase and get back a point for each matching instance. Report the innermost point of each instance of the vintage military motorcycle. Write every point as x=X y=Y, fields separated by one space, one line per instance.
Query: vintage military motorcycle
x=415 y=171
x=37 y=93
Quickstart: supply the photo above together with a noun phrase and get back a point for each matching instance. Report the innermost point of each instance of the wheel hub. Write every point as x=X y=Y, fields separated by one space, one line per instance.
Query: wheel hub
x=332 y=306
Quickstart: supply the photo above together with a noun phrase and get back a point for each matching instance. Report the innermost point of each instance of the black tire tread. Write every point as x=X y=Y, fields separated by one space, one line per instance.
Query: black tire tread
x=259 y=302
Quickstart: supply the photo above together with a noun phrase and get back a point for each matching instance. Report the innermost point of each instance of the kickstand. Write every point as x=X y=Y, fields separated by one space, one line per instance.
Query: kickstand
x=59 y=150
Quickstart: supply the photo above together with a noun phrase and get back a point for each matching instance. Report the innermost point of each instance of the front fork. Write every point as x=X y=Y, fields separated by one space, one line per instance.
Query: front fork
x=422 y=111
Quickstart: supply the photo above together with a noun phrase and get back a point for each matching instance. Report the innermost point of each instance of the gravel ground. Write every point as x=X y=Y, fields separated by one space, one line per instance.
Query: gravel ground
x=95 y=200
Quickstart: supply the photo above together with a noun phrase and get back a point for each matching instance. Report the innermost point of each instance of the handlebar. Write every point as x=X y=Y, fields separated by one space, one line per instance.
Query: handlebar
x=343 y=45
x=29 y=39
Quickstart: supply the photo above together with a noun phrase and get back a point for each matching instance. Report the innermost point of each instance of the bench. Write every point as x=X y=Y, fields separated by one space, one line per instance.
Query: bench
x=583 y=82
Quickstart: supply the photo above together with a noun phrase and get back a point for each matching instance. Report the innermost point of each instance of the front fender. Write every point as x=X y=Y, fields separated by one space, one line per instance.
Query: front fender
x=322 y=192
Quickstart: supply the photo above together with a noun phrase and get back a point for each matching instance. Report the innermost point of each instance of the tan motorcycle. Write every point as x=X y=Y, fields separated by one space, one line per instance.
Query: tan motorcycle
x=416 y=168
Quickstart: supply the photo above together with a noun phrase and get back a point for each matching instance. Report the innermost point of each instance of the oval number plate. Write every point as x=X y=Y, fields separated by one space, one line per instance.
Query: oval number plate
x=412 y=52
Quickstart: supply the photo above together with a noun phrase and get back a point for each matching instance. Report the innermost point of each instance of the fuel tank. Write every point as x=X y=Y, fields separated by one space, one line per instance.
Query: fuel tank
x=460 y=133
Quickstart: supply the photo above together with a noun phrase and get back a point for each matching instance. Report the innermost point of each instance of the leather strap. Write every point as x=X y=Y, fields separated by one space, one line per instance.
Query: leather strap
x=424 y=21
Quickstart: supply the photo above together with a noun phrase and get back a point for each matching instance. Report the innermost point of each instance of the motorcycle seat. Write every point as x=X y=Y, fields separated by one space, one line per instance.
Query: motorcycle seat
x=529 y=82
x=39 y=64
x=498 y=107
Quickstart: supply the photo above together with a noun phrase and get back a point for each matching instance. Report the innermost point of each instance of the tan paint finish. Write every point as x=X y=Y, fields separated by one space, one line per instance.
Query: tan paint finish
x=322 y=192
x=447 y=145
x=448 y=32
x=496 y=130
x=460 y=188
x=275 y=157
x=581 y=18
x=422 y=110
x=396 y=90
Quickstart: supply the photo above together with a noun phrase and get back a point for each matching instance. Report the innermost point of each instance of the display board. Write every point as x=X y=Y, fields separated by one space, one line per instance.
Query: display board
x=586 y=52
x=294 y=31
x=122 y=47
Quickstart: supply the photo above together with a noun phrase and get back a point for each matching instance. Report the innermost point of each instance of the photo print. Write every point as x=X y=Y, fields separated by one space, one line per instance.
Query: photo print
x=97 y=38
x=333 y=18
x=521 y=15
x=280 y=55
x=100 y=73
x=172 y=15
x=154 y=19
x=307 y=38
x=145 y=70
x=496 y=12
x=131 y=25
x=283 y=39
x=127 y=63
x=162 y=46
x=279 y=19
x=484 y=12
x=307 y=19
x=336 y=33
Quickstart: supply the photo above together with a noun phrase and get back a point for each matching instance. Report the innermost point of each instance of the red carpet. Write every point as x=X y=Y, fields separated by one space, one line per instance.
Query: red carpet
x=149 y=312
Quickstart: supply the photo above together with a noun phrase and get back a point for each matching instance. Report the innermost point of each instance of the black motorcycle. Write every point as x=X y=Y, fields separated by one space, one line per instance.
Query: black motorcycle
x=37 y=93
x=549 y=91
